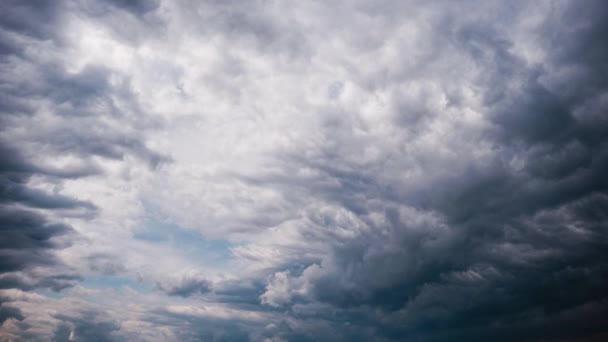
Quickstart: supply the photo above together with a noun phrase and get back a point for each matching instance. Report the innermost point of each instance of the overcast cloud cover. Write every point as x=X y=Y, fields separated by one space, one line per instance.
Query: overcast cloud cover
x=303 y=170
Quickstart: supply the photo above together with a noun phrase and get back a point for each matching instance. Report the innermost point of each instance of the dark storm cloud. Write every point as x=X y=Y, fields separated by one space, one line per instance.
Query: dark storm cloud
x=245 y=293
x=16 y=169
x=187 y=287
x=22 y=229
x=8 y=312
x=33 y=78
x=28 y=281
x=86 y=326
x=32 y=18
x=198 y=328
x=524 y=249
x=411 y=246
x=14 y=191
x=27 y=238
x=79 y=99
x=27 y=242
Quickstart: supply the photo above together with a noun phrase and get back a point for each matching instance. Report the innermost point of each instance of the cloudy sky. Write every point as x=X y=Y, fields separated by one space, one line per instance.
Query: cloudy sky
x=272 y=170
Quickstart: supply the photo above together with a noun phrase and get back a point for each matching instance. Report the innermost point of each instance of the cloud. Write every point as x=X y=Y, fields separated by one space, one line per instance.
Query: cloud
x=86 y=326
x=138 y=7
x=187 y=286
x=29 y=240
x=359 y=170
x=8 y=312
x=39 y=161
x=35 y=19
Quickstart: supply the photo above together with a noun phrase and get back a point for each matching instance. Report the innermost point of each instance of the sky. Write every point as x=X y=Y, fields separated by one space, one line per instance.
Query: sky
x=268 y=170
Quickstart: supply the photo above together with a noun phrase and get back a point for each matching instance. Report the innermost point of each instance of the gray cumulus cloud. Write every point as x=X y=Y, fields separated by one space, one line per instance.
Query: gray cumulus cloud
x=265 y=171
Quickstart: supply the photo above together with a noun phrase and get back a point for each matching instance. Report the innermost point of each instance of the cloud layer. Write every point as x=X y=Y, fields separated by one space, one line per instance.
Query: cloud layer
x=273 y=171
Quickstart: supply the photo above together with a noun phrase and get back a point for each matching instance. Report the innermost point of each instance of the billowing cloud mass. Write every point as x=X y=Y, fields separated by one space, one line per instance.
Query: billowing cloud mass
x=273 y=170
